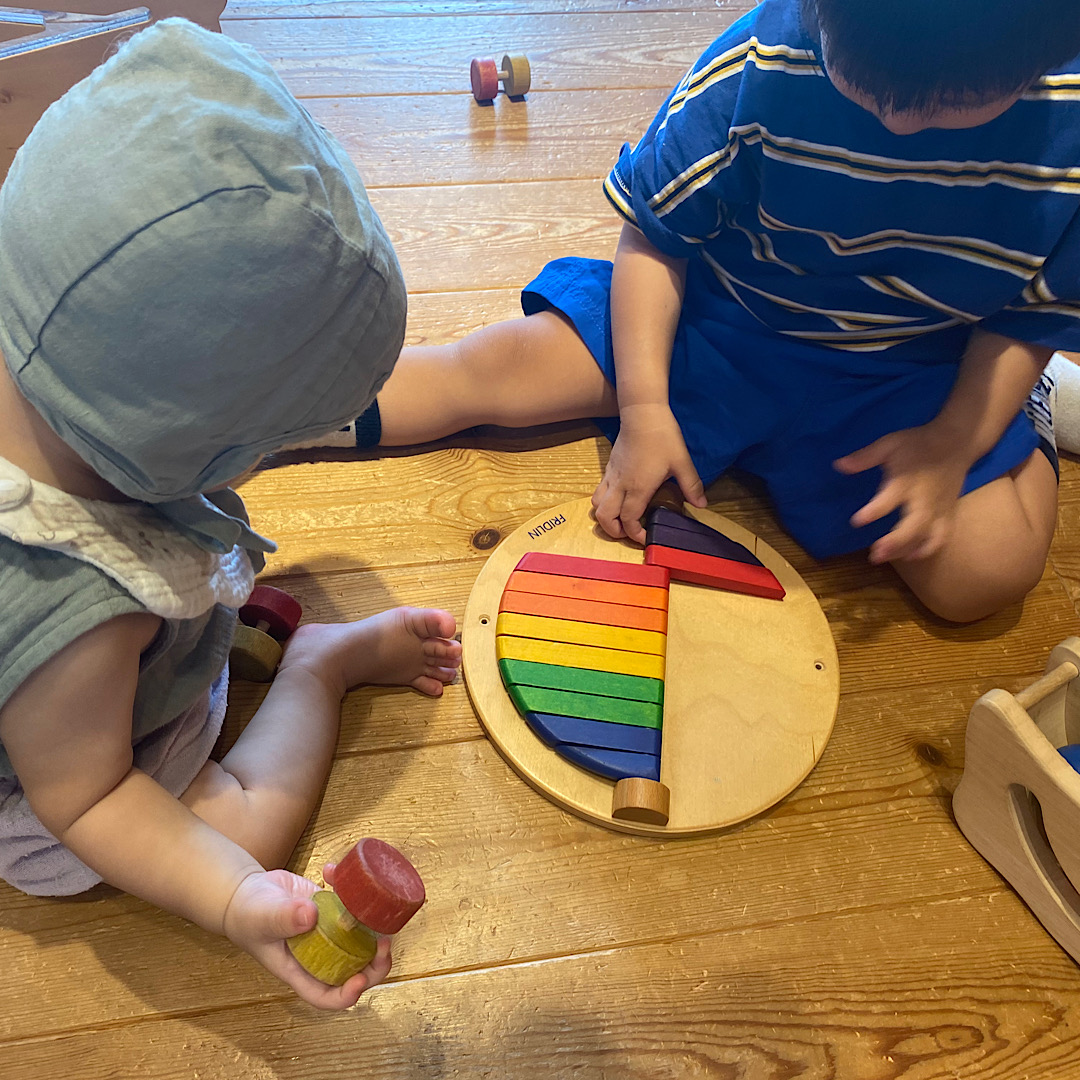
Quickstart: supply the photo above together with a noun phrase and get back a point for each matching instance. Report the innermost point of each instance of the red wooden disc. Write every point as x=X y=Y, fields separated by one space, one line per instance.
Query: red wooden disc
x=379 y=886
x=276 y=608
x=484 y=76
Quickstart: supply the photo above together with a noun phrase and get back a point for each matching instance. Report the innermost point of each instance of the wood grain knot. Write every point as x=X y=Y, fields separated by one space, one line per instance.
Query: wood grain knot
x=930 y=754
x=486 y=539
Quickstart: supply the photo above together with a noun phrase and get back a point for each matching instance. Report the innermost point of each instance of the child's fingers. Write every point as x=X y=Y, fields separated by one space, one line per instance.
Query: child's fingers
x=861 y=460
x=630 y=516
x=330 y=998
x=693 y=490
x=917 y=536
x=380 y=965
x=922 y=544
x=887 y=499
x=607 y=507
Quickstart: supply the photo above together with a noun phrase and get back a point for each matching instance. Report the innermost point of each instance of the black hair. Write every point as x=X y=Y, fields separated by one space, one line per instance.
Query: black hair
x=918 y=55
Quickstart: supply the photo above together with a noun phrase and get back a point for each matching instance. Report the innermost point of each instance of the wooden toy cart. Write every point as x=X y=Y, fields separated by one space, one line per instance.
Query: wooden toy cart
x=44 y=53
x=1019 y=799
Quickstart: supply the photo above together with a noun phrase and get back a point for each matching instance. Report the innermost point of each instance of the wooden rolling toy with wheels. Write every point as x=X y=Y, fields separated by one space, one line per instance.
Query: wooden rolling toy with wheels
x=514 y=74
x=1018 y=801
x=376 y=892
x=626 y=692
x=267 y=619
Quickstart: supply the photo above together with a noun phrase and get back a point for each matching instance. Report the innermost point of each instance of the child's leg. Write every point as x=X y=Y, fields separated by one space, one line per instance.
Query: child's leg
x=533 y=370
x=998 y=547
x=265 y=789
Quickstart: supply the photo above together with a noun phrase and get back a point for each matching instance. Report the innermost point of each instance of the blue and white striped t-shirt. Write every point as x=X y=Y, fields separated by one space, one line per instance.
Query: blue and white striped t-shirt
x=828 y=228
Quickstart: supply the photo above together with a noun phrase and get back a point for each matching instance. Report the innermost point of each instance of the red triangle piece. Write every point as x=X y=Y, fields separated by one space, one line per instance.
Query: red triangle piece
x=719 y=573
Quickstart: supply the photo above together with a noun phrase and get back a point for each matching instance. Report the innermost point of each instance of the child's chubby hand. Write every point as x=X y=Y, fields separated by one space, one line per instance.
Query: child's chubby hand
x=272 y=906
x=924 y=472
x=649 y=450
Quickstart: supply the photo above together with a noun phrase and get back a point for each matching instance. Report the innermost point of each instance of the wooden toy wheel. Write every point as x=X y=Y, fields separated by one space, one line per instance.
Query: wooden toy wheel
x=254 y=655
x=518 y=76
x=379 y=886
x=272 y=610
x=484 y=76
x=336 y=948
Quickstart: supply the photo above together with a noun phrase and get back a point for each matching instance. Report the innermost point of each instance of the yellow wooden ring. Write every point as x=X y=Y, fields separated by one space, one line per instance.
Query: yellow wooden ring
x=518 y=75
x=255 y=655
x=337 y=946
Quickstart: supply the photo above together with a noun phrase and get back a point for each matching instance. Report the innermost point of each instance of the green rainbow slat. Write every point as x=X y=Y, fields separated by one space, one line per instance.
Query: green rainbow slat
x=586 y=706
x=582 y=680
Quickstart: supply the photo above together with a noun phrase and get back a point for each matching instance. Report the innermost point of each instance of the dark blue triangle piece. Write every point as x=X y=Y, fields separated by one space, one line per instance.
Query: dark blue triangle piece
x=600 y=734
x=614 y=764
x=669 y=529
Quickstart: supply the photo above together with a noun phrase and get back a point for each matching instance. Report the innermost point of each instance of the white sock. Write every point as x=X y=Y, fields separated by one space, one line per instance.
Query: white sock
x=1066 y=406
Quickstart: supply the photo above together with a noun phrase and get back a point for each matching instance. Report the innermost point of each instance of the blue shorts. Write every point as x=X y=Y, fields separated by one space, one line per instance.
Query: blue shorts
x=778 y=407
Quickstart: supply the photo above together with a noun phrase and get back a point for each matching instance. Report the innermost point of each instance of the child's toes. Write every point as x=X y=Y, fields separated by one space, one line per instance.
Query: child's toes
x=443 y=674
x=442 y=651
x=427 y=684
x=432 y=623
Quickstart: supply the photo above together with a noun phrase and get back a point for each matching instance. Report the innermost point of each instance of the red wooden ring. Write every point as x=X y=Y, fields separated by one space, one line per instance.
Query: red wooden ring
x=484 y=76
x=276 y=608
x=379 y=886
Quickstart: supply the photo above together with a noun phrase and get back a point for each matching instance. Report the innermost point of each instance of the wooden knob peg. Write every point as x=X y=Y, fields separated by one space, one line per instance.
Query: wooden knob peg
x=639 y=799
x=668 y=496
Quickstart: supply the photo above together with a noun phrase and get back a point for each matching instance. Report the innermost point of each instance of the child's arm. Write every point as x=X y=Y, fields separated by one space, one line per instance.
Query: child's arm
x=67 y=730
x=924 y=467
x=646 y=298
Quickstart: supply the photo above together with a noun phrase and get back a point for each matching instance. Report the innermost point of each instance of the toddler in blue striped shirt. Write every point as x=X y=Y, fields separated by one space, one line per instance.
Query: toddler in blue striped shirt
x=851 y=246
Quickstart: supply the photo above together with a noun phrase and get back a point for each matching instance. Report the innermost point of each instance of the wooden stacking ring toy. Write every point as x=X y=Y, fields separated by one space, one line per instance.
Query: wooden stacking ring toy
x=514 y=73
x=674 y=692
x=268 y=618
x=376 y=892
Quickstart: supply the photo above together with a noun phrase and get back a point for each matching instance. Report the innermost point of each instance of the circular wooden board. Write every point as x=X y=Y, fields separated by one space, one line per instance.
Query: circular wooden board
x=750 y=695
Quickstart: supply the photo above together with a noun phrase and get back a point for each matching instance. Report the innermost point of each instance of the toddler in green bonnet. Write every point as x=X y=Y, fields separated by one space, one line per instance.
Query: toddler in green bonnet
x=190 y=276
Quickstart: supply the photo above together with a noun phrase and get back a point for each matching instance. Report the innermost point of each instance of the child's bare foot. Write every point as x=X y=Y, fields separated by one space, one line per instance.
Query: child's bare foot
x=404 y=646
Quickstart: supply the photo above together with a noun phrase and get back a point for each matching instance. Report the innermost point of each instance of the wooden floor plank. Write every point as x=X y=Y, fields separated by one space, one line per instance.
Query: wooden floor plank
x=451 y=140
x=517 y=228
x=393 y=56
x=850 y=933
x=719 y=12
x=781 y=1001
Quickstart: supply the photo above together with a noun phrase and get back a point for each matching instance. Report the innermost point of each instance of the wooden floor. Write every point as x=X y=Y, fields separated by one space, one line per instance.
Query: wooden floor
x=849 y=933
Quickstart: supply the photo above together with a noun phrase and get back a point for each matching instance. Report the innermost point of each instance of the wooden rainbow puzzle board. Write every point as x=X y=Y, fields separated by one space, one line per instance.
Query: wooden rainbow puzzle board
x=751 y=687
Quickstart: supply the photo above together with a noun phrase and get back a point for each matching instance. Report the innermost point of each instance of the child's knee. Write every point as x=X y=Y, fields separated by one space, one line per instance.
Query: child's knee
x=978 y=594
